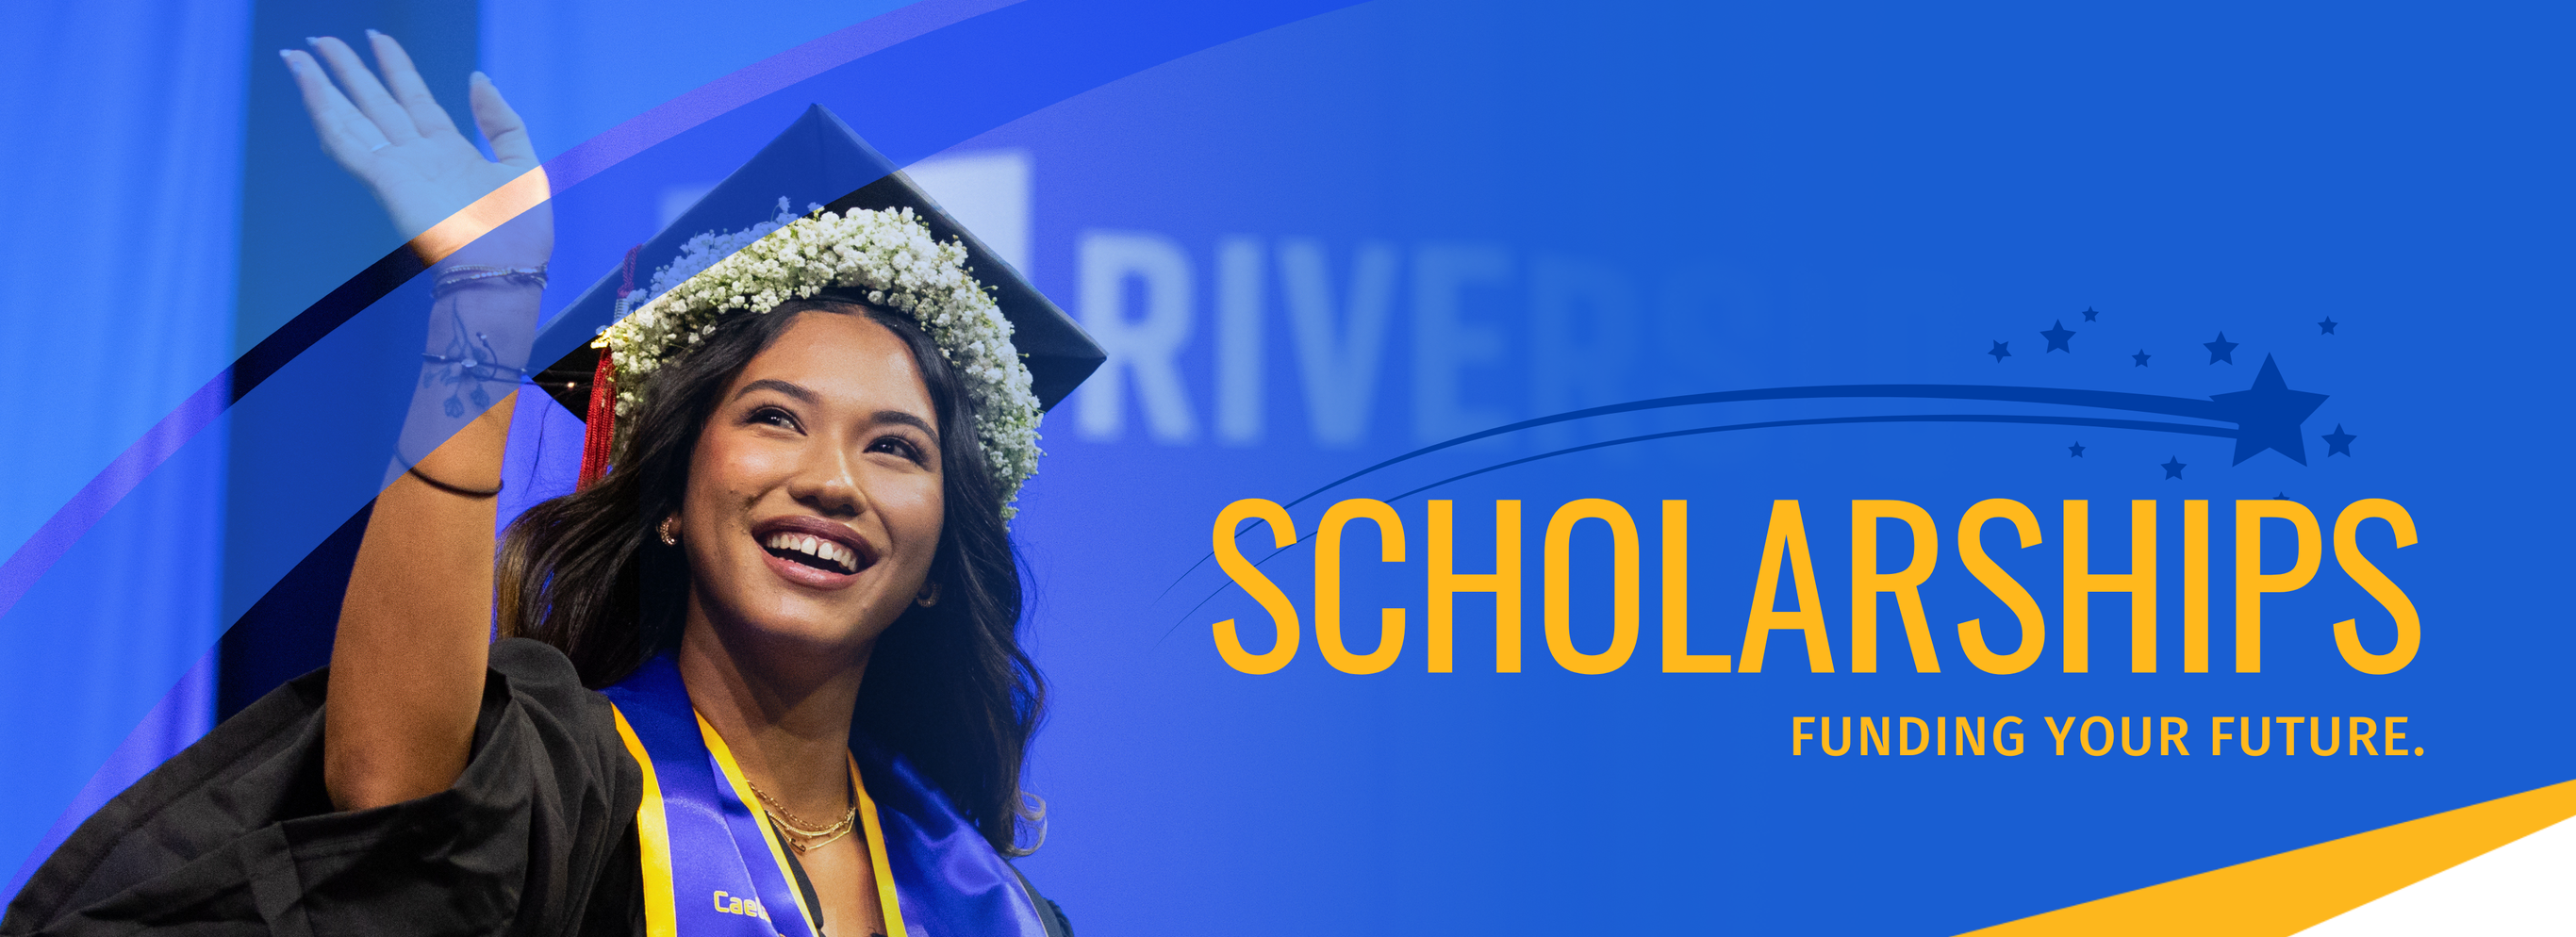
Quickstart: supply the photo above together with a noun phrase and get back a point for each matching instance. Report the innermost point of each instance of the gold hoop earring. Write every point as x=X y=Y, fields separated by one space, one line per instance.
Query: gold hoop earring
x=928 y=597
x=669 y=539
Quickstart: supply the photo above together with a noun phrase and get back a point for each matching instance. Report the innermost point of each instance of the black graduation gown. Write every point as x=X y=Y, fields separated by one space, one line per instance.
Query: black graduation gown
x=236 y=834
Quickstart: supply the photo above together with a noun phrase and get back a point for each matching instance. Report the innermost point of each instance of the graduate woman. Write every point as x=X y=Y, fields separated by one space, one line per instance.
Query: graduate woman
x=761 y=674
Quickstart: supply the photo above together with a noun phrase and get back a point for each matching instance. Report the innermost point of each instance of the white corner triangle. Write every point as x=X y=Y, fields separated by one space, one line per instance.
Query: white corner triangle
x=2525 y=887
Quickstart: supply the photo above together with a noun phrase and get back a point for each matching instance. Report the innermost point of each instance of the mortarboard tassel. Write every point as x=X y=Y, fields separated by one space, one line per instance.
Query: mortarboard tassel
x=600 y=428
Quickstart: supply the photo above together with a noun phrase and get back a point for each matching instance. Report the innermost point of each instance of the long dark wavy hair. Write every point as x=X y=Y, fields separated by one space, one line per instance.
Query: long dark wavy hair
x=948 y=686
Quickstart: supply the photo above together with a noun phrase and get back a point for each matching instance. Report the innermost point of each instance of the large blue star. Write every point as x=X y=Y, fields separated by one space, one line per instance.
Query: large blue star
x=2327 y=327
x=2075 y=451
x=2057 y=336
x=2001 y=351
x=2173 y=467
x=2268 y=415
x=2221 y=350
x=2339 y=442
x=2089 y=313
x=2141 y=357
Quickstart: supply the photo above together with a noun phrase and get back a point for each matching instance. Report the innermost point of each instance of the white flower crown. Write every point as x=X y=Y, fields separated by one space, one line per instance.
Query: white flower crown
x=888 y=254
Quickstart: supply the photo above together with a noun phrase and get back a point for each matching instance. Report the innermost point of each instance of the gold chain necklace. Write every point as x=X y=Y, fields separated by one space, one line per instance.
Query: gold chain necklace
x=801 y=836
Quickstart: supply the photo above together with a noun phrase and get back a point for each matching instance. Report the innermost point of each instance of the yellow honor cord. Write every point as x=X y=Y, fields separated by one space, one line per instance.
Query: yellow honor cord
x=653 y=839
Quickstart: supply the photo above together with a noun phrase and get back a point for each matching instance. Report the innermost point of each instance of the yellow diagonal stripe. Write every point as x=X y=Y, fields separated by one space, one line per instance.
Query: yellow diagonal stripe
x=2275 y=896
x=493 y=210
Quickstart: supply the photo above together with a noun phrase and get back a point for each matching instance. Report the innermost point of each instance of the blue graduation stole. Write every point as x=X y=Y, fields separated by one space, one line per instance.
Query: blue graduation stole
x=711 y=867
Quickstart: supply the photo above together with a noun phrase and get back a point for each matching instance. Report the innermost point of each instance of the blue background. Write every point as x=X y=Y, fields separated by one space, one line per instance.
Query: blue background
x=1666 y=201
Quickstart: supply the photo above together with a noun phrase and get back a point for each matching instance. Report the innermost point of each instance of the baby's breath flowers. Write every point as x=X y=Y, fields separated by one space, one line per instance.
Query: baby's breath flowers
x=890 y=259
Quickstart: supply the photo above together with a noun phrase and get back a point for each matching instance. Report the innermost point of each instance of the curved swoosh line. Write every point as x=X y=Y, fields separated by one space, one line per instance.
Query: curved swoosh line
x=2202 y=409
x=38 y=554
x=2147 y=425
x=759 y=80
x=1822 y=421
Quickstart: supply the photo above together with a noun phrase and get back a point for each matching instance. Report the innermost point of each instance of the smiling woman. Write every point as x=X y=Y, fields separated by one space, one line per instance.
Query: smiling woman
x=763 y=675
x=782 y=526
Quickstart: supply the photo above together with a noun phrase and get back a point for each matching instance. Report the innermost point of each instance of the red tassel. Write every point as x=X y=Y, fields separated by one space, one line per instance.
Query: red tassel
x=600 y=429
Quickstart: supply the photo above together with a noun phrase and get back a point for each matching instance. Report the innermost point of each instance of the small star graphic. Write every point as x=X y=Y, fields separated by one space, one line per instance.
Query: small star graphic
x=2001 y=351
x=2339 y=442
x=2173 y=467
x=2267 y=415
x=2075 y=451
x=2057 y=336
x=2141 y=357
x=2089 y=313
x=2283 y=496
x=2221 y=350
x=2327 y=327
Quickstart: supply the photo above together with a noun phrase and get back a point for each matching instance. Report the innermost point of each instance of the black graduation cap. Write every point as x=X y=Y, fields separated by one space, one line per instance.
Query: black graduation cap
x=819 y=159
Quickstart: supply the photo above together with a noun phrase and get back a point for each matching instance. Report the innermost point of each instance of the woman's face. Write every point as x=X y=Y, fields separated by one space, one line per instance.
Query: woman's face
x=813 y=507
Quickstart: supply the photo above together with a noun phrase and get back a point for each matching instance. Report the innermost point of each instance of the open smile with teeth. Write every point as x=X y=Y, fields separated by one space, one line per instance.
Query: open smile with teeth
x=816 y=552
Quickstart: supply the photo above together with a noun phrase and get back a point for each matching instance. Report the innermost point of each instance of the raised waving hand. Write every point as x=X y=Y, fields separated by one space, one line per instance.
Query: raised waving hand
x=394 y=136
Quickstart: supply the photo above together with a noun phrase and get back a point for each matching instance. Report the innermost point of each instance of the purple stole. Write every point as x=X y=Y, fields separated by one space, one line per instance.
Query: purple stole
x=711 y=867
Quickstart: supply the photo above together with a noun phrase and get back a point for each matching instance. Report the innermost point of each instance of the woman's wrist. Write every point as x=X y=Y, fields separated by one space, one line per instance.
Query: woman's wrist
x=505 y=246
x=491 y=320
x=475 y=355
x=448 y=278
x=467 y=462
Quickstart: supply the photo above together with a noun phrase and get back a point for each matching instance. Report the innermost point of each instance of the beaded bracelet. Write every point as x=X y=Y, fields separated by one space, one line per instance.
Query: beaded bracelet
x=470 y=360
x=450 y=278
x=468 y=366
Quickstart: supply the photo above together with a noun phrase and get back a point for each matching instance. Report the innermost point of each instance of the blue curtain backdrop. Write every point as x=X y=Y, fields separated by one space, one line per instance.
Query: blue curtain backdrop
x=122 y=184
